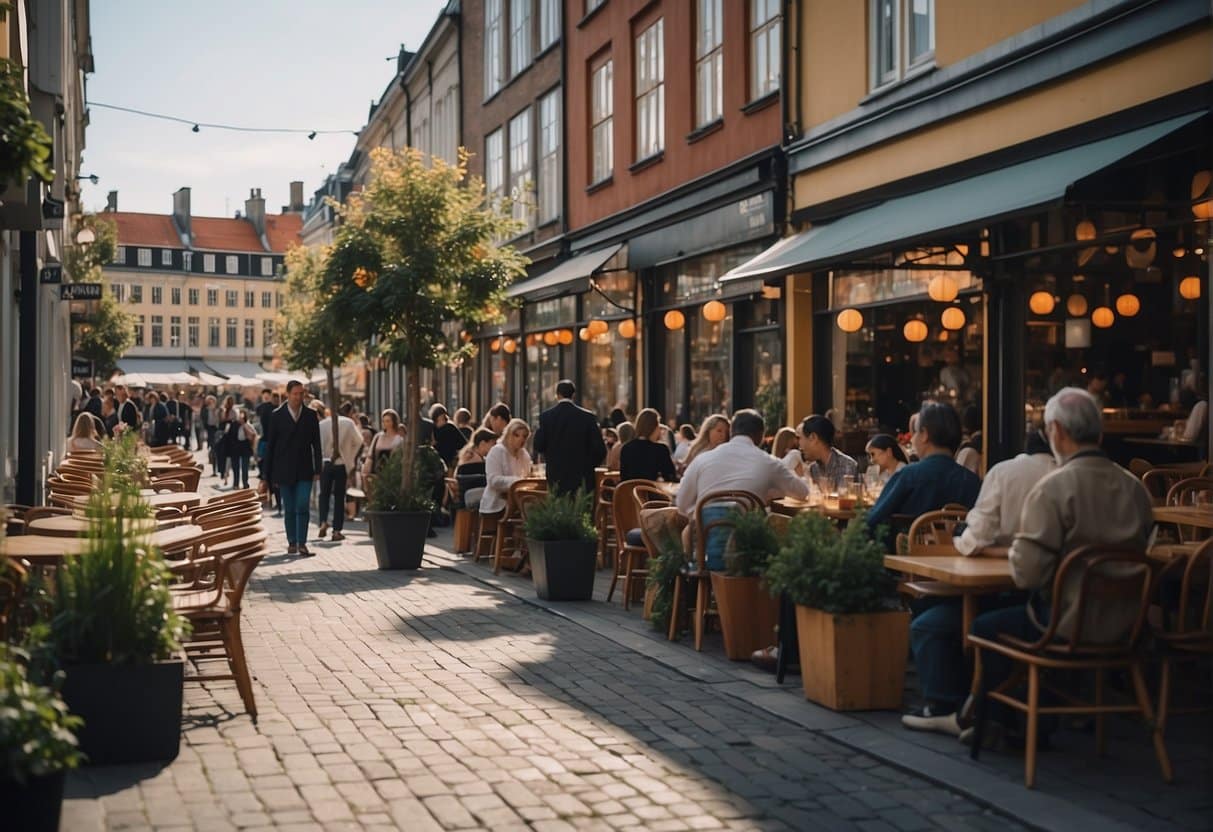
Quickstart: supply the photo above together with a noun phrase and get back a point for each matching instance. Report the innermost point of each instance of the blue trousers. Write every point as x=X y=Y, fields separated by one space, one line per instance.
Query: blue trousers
x=296 y=498
x=996 y=668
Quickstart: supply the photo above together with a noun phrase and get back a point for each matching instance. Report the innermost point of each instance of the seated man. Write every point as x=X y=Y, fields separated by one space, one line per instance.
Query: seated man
x=936 y=479
x=827 y=464
x=739 y=464
x=935 y=633
x=1089 y=499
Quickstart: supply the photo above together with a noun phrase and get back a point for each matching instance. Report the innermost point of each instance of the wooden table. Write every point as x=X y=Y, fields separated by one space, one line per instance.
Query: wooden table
x=1166 y=443
x=792 y=506
x=1200 y=517
x=44 y=549
x=72 y=525
x=180 y=499
x=973 y=576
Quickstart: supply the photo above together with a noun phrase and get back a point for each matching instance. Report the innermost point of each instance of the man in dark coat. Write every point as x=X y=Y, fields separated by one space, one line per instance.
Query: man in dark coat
x=292 y=463
x=571 y=442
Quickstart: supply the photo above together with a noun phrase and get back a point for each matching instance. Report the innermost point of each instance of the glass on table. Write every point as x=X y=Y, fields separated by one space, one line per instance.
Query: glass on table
x=846 y=493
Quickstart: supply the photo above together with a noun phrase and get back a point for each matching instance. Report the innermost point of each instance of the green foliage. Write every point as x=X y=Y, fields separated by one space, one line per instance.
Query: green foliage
x=36 y=731
x=837 y=572
x=85 y=263
x=752 y=545
x=25 y=146
x=770 y=401
x=107 y=337
x=388 y=491
x=664 y=570
x=561 y=517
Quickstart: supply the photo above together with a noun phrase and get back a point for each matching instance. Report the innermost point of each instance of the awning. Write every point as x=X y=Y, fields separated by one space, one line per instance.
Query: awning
x=148 y=372
x=304 y=376
x=573 y=275
x=969 y=202
x=247 y=369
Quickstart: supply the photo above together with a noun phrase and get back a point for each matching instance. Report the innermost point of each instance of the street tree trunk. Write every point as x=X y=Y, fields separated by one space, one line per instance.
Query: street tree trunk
x=349 y=463
x=412 y=419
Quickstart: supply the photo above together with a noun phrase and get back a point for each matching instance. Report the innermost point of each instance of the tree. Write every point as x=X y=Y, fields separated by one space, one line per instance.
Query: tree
x=110 y=333
x=420 y=243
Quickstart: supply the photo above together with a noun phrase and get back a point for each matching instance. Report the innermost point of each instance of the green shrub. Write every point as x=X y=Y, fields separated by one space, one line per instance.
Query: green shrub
x=561 y=517
x=36 y=731
x=837 y=572
x=751 y=546
x=664 y=570
x=388 y=491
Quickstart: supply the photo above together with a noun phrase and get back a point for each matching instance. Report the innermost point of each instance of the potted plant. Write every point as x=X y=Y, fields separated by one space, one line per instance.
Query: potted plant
x=748 y=613
x=399 y=515
x=853 y=639
x=38 y=744
x=113 y=631
x=563 y=544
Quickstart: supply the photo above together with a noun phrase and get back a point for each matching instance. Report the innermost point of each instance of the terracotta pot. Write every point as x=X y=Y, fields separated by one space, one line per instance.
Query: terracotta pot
x=748 y=614
x=853 y=662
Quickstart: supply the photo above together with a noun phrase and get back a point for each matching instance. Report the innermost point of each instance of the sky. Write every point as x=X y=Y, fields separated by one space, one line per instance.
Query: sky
x=308 y=64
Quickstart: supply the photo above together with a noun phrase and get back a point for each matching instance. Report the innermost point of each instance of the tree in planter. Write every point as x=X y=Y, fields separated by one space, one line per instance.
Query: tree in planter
x=392 y=491
x=419 y=242
x=108 y=336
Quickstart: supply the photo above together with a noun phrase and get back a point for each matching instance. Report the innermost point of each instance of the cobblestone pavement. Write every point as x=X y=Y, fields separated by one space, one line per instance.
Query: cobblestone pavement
x=429 y=701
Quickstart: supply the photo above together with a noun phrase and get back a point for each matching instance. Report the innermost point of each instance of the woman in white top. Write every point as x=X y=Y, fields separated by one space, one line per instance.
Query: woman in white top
x=682 y=444
x=886 y=455
x=84 y=435
x=786 y=448
x=506 y=463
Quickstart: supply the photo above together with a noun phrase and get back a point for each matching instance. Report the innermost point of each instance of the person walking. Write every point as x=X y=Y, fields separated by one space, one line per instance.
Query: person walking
x=338 y=464
x=239 y=438
x=222 y=446
x=292 y=463
x=571 y=442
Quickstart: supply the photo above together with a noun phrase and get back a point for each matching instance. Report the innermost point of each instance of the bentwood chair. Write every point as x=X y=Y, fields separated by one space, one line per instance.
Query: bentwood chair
x=1188 y=492
x=931 y=534
x=1187 y=636
x=1160 y=481
x=631 y=556
x=604 y=514
x=1110 y=581
x=509 y=543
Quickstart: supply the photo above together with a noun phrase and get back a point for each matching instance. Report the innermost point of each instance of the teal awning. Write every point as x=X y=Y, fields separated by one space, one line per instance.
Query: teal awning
x=573 y=275
x=970 y=202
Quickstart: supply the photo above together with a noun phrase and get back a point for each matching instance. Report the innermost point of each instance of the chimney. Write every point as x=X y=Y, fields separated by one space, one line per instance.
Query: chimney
x=296 y=196
x=111 y=201
x=254 y=210
x=181 y=214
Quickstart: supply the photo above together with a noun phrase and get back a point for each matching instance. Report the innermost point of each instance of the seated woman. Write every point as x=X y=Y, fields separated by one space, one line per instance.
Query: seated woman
x=506 y=463
x=84 y=435
x=786 y=448
x=886 y=455
x=646 y=457
x=470 y=470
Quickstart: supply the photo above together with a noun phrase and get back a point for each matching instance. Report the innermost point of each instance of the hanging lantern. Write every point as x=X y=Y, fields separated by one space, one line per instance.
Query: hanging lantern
x=1103 y=317
x=953 y=318
x=714 y=311
x=584 y=333
x=495 y=345
x=943 y=288
x=597 y=327
x=1142 y=247
x=1179 y=252
x=1041 y=303
x=1076 y=305
x=510 y=345
x=674 y=320
x=1085 y=230
x=1189 y=288
x=565 y=336
x=627 y=328
x=1128 y=305
x=915 y=330
x=1202 y=205
x=551 y=338
x=850 y=320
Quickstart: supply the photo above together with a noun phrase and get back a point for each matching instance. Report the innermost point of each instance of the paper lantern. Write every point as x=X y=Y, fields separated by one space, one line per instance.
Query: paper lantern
x=598 y=327
x=1076 y=305
x=1189 y=288
x=1102 y=317
x=584 y=333
x=1179 y=252
x=914 y=330
x=1202 y=206
x=1041 y=303
x=674 y=320
x=943 y=288
x=850 y=320
x=565 y=336
x=1143 y=245
x=1085 y=230
x=714 y=311
x=953 y=318
x=495 y=345
x=1128 y=305
x=627 y=328
x=551 y=338
x=509 y=345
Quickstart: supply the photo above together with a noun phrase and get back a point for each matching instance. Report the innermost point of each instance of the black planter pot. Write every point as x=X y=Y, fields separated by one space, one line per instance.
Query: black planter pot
x=399 y=537
x=35 y=806
x=132 y=713
x=563 y=570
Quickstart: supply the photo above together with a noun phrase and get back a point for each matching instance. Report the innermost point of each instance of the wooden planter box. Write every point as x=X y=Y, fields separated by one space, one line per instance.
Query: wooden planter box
x=853 y=662
x=748 y=614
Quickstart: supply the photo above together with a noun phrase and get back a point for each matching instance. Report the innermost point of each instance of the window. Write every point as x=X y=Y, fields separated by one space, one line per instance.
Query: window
x=764 y=48
x=520 y=35
x=231 y=298
x=136 y=293
x=175 y=295
x=549 y=22
x=520 y=166
x=145 y=256
x=920 y=31
x=139 y=330
x=231 y=332
x=602 y=123
x=212 y=327
x=157 y=330
x=267 y=266
x=157 y=295
x=902 y=38
x=549 y=156
x=233 y=264
x=192 y=294
x=118 y=290
x=212 y=297
x=494 y=166
x=187 y=261
x=166 y=257
x=120 y=255
x=709 y=63
x=208 y=263
x=650 y=92
x=493 y=42
x=191 y=331
x=267 y=300
x=278 y=300
x=250 y=300
x=250 y=333
x=267 y=334
x=174 y=331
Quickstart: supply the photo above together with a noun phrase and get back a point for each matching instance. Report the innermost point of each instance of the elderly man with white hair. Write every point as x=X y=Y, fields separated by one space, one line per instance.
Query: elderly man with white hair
x=1089 y=499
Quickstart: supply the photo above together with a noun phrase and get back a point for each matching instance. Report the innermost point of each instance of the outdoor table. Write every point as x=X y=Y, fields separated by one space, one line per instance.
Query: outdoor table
x=1166 y=443
x=1200 y=517
x=792 y=506
x=179 y=499
x=44 y=549
x=70 y=525
x=974 y=576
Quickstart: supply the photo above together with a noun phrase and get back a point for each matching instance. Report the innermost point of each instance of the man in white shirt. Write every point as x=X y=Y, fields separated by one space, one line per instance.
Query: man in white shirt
x=335 y=472
x=994 y=518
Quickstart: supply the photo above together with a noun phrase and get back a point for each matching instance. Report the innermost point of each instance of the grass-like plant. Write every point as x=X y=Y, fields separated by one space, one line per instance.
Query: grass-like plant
x=36 y=732
x=751 y=546
x=664 y=570
x=561 y=517
x=389 y=492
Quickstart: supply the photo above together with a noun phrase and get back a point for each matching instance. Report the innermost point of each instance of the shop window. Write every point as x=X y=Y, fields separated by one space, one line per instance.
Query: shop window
x=494 y=166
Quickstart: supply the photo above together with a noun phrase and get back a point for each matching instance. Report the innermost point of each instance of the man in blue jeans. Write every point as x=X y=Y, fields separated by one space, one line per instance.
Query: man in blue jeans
x=292 y=463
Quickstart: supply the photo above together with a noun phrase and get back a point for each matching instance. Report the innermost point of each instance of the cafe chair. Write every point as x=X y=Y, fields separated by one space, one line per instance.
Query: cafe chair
x=461 y=517
x=14 y=518
x=509 y=542
x=631 y=556
x=1187 y=636
x=604 y=514
x=931 y=534
x=1160 y=481
x=1105 y=576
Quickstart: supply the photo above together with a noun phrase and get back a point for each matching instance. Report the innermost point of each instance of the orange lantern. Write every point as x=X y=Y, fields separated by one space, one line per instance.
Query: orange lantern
x=1085 y=230
x=551 y=338
x=1041 y=303
x=565 y=336
x=953 y=318
x=850 y=320
x=584 y=333
x=674 y=320
x=627 y=328
x=1202 y=185
x=914 y=330
x=943 y=288
x=1128 y=305
x=1189 y=288
x=714 y=311
x=1076 y=305
x=597 y=327
x=495 y=345
x=510 y=345
x=1103 y=317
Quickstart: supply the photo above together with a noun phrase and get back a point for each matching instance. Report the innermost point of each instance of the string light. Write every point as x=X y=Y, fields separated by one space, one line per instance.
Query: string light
x=196 y=126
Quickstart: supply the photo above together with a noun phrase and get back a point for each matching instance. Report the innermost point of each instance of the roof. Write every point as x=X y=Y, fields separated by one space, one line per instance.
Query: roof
x=282 y=230
x=223 y=234
x=135 y=229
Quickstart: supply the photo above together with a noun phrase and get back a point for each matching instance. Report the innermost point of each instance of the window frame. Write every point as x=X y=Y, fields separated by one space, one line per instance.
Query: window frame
x=548 y=182
x=521 y=51
x=232 y=327
x=250 y=333
x=267 y=266
x=140 y=322
x=603 y=126
x=494 y=47
x=267 y=300
x=192 y=332
x=166 y=257
x=208 y=263
x=136 y=293
x=212 y=296
x=549 y=23
x=157 y=295
x=762 y=30
x=191 y=295
x=174 y=331
x=213 y=332
x=267 y=333
x=710 y=56
x=119 y=255
x=521 y=175
x=231 y=264
x=157 y=339
x=904 y=66
x=648 y=102
x=250 y=299
x=143 y=257
x=495 y=165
